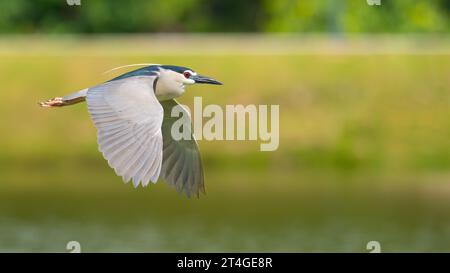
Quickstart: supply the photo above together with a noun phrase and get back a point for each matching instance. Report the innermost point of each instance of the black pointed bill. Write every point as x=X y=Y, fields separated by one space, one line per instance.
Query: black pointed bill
x=205 y=80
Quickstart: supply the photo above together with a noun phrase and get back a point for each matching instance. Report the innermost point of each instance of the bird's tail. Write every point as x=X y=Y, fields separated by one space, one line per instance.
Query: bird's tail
x=66 y=100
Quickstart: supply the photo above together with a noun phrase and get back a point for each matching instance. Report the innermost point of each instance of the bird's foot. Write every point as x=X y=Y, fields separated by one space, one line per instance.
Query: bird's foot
x=55 y=102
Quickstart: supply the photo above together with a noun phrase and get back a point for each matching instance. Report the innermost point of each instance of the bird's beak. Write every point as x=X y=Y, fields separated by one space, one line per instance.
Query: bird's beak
x=203 y=79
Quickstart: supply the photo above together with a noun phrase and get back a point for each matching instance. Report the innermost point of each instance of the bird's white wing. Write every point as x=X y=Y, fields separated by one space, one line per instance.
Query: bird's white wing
x=128 y=118
x=182 y=165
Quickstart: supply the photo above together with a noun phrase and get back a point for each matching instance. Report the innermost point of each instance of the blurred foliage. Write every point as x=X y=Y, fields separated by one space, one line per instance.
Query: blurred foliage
x=116 y=16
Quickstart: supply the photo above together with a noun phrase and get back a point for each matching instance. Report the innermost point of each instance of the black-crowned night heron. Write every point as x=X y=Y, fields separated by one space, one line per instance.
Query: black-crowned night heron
x=132 y=114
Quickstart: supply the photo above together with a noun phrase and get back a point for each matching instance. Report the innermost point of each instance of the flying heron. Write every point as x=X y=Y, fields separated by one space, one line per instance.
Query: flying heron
x=132 y=114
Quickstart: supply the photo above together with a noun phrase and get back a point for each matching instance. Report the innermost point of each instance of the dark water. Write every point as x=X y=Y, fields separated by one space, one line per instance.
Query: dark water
x=315 y=215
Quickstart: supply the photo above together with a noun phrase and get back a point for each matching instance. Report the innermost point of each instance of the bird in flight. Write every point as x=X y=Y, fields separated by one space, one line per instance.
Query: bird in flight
x=132 y=114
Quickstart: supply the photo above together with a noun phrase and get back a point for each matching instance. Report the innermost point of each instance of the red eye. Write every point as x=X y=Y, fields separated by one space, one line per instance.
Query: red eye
x=186 y=74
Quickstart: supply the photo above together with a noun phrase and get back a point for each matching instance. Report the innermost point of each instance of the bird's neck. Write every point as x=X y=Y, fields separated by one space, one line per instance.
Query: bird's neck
x=167 y=89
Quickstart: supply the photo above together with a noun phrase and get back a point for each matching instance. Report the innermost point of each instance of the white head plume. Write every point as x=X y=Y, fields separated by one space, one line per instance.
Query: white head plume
x=124 y=66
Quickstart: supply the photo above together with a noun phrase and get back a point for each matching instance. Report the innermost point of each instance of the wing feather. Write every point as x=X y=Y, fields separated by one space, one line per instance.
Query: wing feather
x=182 y=166
x=128 y=118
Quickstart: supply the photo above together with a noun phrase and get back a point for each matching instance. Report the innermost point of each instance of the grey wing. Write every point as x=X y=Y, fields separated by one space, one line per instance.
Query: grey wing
x=128 y=118
x=182 y=165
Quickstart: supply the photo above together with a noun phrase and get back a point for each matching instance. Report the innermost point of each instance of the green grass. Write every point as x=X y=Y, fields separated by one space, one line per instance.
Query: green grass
x=364 y=155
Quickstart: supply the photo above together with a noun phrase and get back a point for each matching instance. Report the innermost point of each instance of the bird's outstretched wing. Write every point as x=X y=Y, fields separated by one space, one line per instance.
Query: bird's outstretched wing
x=128 y=118
x=182 y=165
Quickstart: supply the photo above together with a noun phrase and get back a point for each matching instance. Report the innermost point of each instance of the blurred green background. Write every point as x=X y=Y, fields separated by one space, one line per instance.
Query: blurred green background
x=115 y=16
x=364 y=126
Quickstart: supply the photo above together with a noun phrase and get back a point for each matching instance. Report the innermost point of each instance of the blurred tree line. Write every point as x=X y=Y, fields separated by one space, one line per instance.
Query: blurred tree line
x=115 y=16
